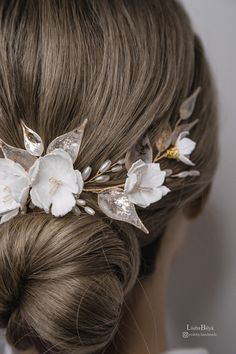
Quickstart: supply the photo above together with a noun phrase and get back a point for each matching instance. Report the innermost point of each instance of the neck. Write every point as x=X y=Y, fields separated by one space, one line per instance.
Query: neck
x=143 y=327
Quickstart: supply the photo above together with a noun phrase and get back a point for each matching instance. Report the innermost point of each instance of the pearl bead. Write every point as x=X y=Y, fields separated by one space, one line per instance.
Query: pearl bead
x=80 y=202
x=117 y=168
x=86 y=173
x=105 y=166
x=102 y=179
x=89 y=210
x=121 y=162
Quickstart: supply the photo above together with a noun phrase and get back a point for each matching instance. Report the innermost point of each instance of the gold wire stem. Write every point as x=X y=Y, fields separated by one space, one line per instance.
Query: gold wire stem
x=158 y=157
x=178 y=122
x=100 y=190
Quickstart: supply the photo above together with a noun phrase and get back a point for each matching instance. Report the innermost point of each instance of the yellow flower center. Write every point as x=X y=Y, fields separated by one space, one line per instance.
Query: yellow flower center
x=172 y=153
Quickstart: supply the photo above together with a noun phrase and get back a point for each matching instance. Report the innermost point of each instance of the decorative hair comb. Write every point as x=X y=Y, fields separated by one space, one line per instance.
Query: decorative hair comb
x=50 y=182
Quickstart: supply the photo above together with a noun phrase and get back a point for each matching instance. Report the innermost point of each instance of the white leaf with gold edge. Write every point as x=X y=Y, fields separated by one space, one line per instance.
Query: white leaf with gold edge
x=21 y=156
x=164 y=138
x=142 y=150
x=183 y=127
x=33 y=142
x=69 y=142
x=116 y=205
x=187 y=107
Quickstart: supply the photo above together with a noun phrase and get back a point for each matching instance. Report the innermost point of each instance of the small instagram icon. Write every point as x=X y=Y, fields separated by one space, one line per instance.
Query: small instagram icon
x=185 y=334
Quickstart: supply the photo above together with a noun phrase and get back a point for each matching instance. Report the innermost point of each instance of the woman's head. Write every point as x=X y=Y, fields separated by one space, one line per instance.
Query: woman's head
x=126 y=66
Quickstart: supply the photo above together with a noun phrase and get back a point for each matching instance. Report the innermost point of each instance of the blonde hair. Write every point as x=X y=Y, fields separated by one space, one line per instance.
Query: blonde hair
x=126 y=66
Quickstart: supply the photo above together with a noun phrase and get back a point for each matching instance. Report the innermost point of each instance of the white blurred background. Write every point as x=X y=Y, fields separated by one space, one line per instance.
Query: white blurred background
x=203 y=281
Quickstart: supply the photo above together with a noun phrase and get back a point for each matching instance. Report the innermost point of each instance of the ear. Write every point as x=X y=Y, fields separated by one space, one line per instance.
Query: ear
x=194 y=208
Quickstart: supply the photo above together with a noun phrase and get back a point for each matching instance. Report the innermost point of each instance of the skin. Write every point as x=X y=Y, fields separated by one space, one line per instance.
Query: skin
x=143 y=328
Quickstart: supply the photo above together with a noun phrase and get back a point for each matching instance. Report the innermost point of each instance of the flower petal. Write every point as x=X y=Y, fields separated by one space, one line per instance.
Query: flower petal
x=35 y=199
x=8 y=216
x=7 y=205
x=23 y=196
x=164 y=190
x=13 y=180
x=145 y=198
x=130 y=183
x=10 y=167
x=182 y=135
x=136 y=165
x=62 y=202
x=20 y=185
x=186 y=160
x=41 y=197
x=80 y=182
x=33 y=171
x=57 y=164
x=141 y=199
x=62 y=153
x=153 y=176
x=186 y=146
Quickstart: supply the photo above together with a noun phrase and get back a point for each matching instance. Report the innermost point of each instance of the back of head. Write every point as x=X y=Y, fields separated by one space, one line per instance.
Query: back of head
x=126 y=66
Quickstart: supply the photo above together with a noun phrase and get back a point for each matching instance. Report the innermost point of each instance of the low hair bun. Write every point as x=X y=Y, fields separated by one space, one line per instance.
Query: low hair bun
x=68 y=278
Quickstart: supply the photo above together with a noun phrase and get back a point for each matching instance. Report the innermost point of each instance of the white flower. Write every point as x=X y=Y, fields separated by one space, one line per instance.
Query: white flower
x=184 y=148
x=55 y=182
x=14 y=189
x=144 y=184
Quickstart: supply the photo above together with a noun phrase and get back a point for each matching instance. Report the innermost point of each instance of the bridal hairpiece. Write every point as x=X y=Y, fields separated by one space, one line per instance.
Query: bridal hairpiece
x=29 y=179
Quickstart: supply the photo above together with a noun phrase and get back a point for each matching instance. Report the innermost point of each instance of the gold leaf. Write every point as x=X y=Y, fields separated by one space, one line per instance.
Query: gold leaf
x=141 y=150
x=183 y=127
x=70 y=142
x=33 y=142
x=187 y=107
x=116 y=205
x=21 y=156
x=164 y=139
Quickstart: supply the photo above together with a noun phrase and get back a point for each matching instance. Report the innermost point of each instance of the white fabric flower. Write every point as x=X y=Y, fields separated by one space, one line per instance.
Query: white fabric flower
x=185 y=147
x=144 y=184
x=55 y=182
x=14 y=189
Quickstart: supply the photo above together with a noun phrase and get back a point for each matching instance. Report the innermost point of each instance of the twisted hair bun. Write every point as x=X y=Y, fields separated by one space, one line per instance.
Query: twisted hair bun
x=64 y=278
x=126 y=67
